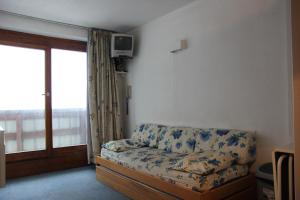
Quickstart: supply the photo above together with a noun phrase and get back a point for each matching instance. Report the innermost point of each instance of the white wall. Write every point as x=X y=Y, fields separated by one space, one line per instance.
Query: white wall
x=30 y=25
x=236 y=72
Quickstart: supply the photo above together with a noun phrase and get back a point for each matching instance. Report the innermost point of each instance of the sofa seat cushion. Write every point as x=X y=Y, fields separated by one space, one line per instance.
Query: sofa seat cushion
x=157 y=163
x=148 y=134
x=207 y=162
x=123 y=145
x=241 y=144
x=178 y=139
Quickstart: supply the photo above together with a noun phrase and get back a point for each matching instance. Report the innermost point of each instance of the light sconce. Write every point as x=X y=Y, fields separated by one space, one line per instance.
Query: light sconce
x=179 y=46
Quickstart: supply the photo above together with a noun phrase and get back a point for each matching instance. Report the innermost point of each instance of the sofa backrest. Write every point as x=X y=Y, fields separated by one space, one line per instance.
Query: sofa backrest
x=177 y=139
x=241 y=144
x=149 y=134
x=205 y=139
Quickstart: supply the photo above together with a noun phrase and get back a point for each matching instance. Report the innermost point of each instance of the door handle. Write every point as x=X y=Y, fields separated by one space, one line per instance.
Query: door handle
x=47 y=94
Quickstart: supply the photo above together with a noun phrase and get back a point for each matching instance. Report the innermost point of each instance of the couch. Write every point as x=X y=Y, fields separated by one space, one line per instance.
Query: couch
x=194 y=163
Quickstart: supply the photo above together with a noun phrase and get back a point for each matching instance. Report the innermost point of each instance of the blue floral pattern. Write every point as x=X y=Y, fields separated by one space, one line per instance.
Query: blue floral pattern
x=148 y=134
x=179 y=140
x=158 y=163
x=205 y=139
x=205 y=162
x=122 y=145
x=222 y=132
x=199 y=159
x=241 y=144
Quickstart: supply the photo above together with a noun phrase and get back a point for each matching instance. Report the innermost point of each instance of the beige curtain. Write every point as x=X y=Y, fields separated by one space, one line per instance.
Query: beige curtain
x=104 y=109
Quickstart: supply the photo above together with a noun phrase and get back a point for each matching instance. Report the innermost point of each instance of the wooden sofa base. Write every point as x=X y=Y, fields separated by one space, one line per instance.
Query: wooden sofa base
x=139 y=185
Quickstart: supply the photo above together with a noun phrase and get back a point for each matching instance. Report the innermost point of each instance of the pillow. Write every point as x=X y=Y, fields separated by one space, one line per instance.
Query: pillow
x=241 y=144
x=122 y=145
x=148 y=134
x=138 y=130
x=205 y=139
x=205 y=162
x=178 y=139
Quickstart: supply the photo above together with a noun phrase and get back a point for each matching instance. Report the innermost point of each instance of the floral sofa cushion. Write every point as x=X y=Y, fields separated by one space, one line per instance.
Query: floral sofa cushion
x=122 y=145
x=204 y=163
x=241 y=144
x=205 y=139
x=157 y=162
x=178 y=139
x=149 y=134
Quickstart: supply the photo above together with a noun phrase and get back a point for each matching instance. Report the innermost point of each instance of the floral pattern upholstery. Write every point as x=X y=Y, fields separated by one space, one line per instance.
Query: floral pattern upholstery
x=158 y=163
x=241 y=144
x=199 y=159
x=178 y=139
x=207 y=162
x=149 y=134
x=122 y=145
x=205 y=139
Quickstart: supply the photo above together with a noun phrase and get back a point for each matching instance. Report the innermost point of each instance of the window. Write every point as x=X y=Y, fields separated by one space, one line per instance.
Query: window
x=68 y=97
x=43 y=106
x=22 y=105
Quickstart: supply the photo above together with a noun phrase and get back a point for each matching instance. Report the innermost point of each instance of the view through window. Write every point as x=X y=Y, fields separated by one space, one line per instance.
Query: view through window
x=22 y=85
x=68 y=97
x=22 y=102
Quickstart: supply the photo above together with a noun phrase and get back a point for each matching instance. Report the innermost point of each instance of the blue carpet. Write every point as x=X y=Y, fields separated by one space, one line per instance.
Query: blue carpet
x=73 y=184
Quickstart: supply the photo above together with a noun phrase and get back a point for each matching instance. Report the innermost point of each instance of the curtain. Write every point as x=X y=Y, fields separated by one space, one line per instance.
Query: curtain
x=103 y=103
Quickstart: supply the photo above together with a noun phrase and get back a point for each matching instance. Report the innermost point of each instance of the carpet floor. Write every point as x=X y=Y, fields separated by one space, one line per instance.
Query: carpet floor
x=73 y=184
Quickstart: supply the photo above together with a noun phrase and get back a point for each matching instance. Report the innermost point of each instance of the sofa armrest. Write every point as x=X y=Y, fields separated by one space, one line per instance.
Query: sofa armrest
x=122 y=145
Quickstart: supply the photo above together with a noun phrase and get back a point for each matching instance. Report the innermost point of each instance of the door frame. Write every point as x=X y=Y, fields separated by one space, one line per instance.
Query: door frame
x=50 y=159
x=295 y=11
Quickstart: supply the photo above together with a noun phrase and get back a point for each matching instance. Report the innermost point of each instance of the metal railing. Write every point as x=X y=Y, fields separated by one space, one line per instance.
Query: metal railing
x=21 y=125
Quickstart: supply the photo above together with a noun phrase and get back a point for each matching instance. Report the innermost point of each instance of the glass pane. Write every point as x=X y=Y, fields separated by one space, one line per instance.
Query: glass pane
x=69 y=88
x=22 y=103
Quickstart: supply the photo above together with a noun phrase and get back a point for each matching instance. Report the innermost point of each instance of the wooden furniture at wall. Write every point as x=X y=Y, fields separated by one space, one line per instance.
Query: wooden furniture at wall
x=2 y=158
x=139 y=185
x=283 y=171
x=295 y=8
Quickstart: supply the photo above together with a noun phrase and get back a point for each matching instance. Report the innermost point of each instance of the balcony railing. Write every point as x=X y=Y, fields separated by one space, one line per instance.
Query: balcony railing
x=25 y=129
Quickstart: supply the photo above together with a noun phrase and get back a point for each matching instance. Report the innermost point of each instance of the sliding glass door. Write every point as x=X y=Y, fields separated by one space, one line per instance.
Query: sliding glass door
x=69 y=94
x=22 y=106
x=22 y=102
x=43 y=89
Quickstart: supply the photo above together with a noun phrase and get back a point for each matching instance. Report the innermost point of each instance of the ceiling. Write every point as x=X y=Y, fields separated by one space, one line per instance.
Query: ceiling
x=117 y=15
